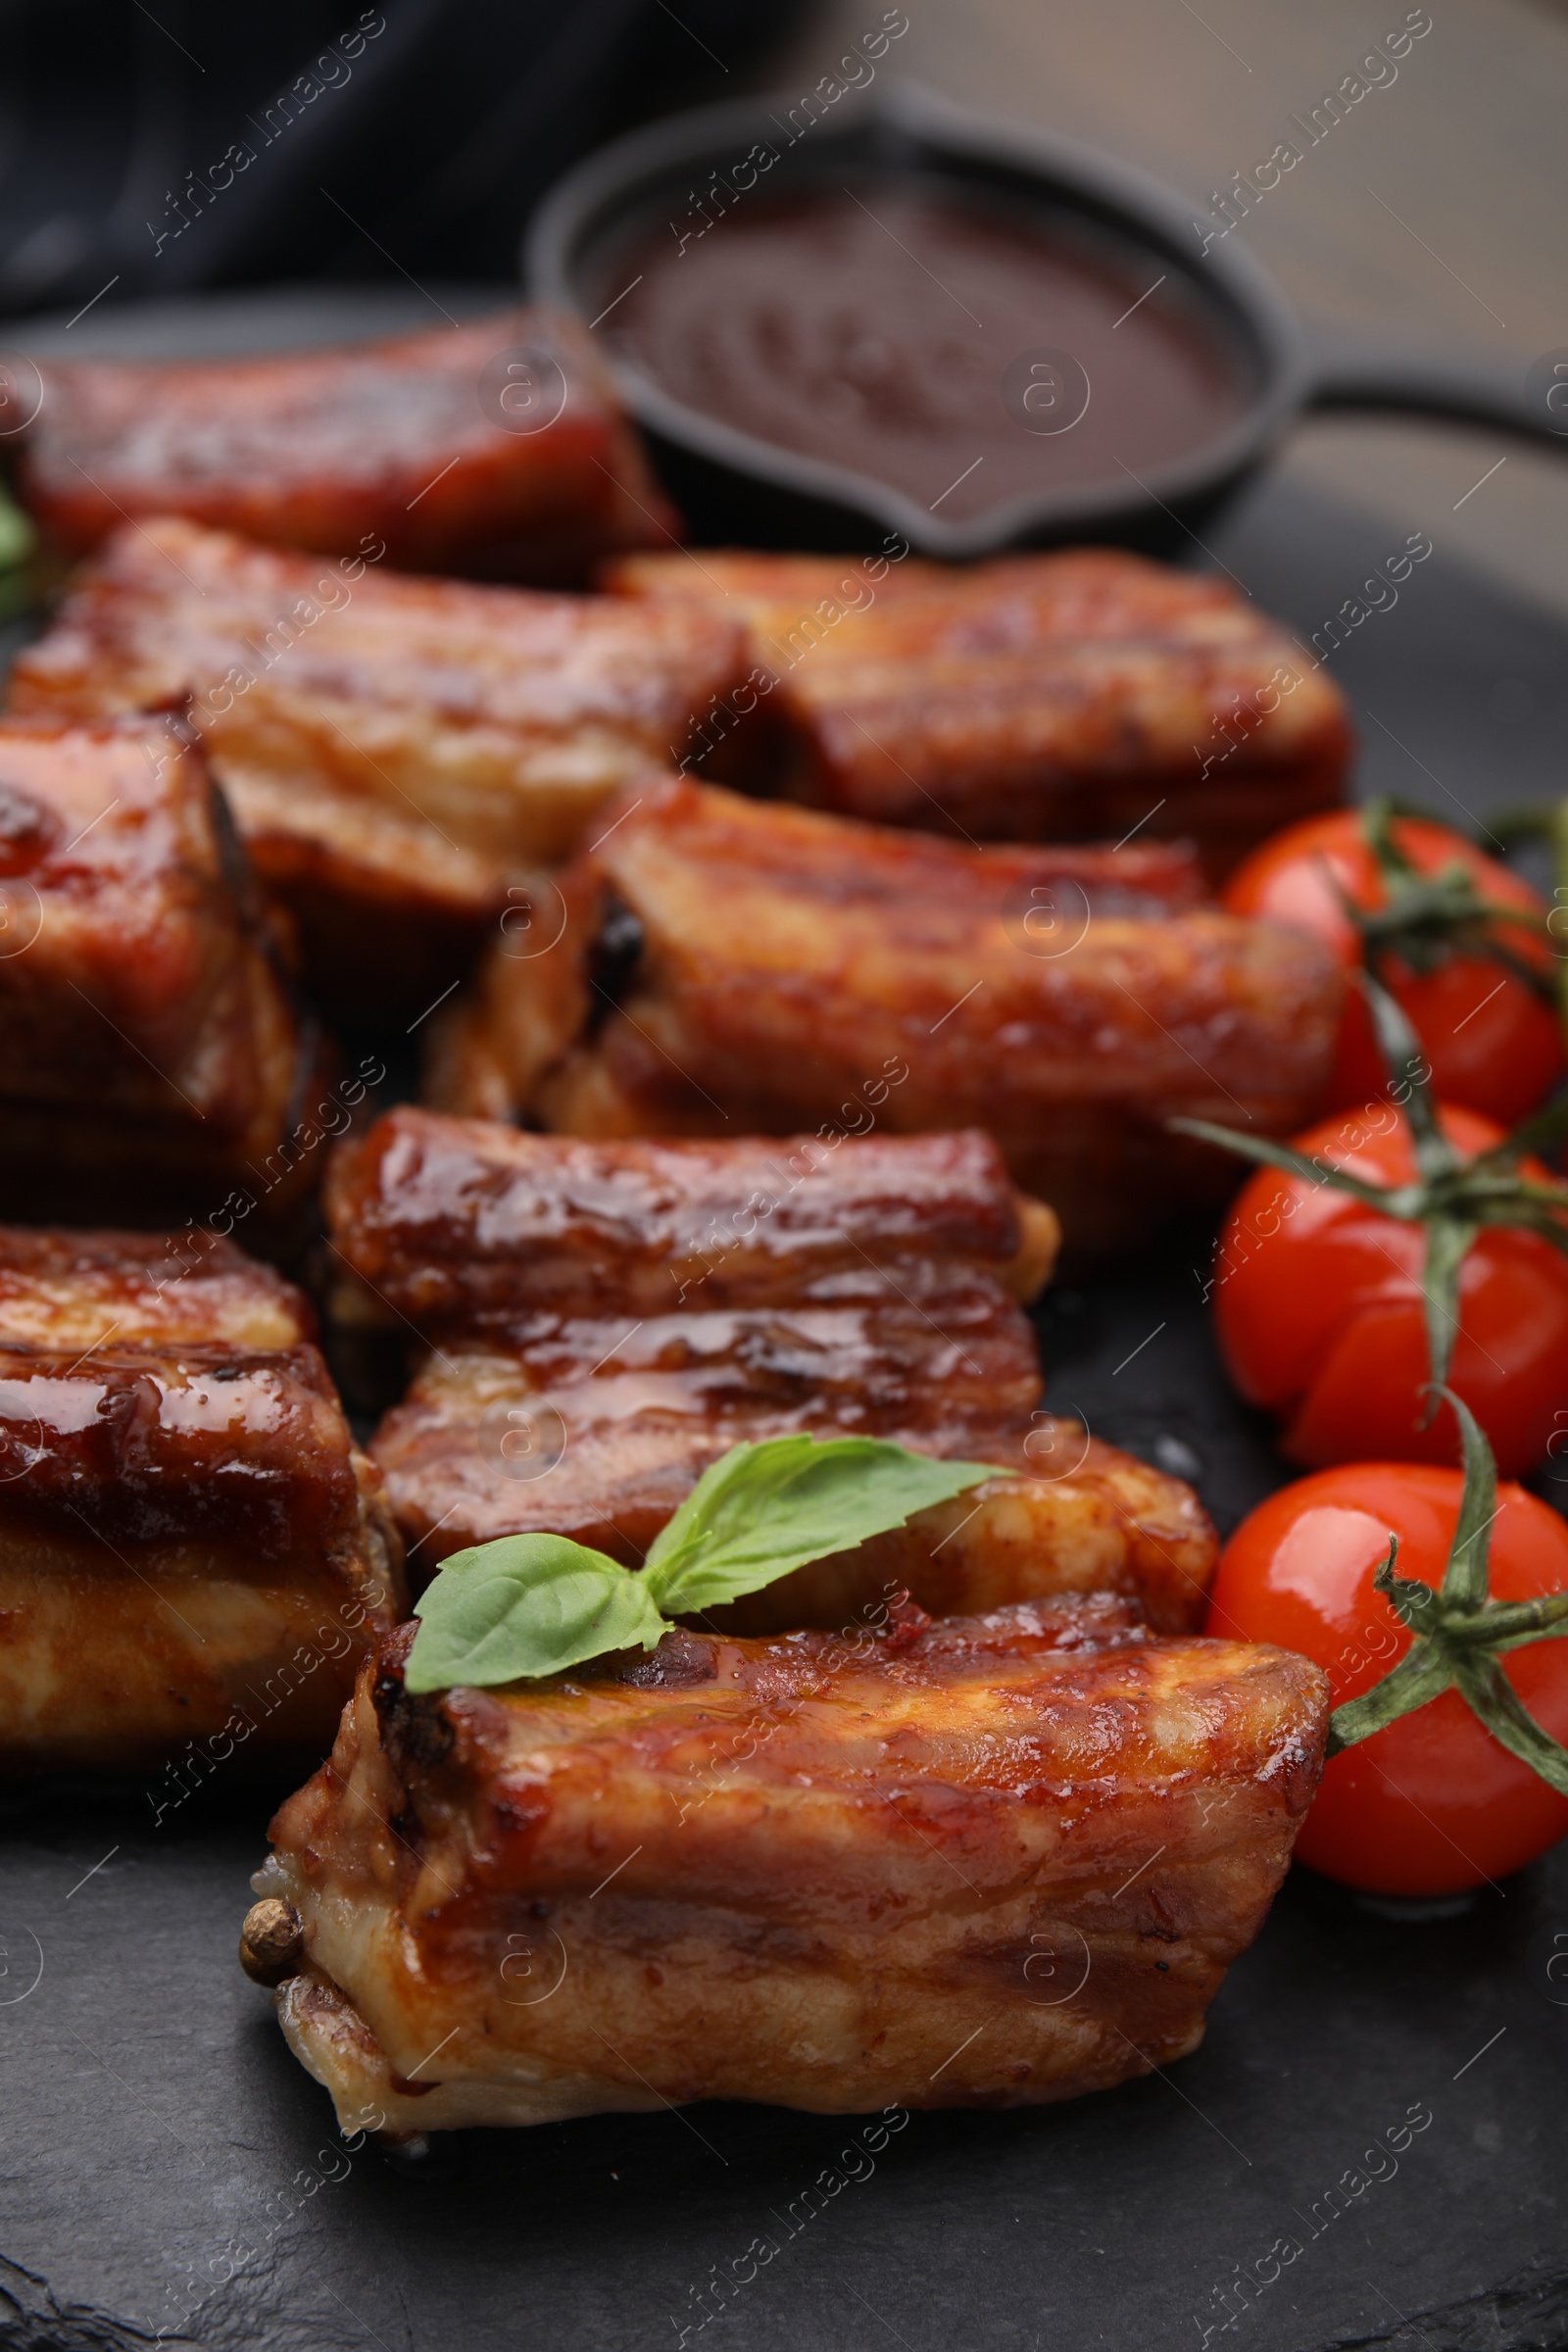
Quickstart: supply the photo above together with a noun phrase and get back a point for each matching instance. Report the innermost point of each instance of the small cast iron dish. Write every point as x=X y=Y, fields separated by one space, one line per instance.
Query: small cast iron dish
x=734 y=487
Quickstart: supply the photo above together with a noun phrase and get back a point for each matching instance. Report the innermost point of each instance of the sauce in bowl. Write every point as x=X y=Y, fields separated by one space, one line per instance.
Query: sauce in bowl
x=960 y=355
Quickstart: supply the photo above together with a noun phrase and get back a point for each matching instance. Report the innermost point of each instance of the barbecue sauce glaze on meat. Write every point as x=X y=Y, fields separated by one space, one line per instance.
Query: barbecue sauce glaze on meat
x=608 y=1317
x=987 y=1862
x=495 y=449
x=1081 y=696
x=1069 y=1000
x=194 y=1554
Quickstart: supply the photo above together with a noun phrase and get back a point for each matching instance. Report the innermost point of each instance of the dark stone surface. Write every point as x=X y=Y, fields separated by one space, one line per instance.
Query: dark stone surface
x=157 y=2135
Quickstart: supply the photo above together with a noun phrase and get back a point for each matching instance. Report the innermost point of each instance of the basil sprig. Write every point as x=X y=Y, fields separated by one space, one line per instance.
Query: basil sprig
x=534 y=1604
x=1461 y=1632
x=1452 y=1196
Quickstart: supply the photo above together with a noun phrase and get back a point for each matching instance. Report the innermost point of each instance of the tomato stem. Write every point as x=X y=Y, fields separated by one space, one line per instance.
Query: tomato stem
x=1451 y=1198
x=1459 y=1631
x=1513 y=1623
x=1426 y=920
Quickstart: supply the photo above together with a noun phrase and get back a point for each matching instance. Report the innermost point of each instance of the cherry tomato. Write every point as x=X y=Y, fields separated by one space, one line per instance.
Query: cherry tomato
x=1319 y=1316
x=1494 y=1042
x=1433 y=1804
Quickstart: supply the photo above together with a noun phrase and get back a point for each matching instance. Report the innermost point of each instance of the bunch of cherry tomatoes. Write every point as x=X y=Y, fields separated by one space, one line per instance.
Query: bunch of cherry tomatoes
x=1413 y=1239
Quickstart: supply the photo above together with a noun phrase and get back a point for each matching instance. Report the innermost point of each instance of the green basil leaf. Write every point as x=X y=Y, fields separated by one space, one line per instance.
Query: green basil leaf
x=526 y=1605
x=764 y=1510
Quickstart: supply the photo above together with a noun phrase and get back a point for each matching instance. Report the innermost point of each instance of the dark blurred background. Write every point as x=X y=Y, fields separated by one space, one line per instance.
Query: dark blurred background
x=1434 y=212
x=179 y=145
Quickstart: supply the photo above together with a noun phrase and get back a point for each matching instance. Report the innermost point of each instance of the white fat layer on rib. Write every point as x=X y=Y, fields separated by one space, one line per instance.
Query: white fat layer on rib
x=332 y=2043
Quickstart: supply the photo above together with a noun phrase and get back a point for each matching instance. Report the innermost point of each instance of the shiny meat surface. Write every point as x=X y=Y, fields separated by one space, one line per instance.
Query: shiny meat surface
x=189 y=1545
x=422 y=441
x=464 y=1226
x=775 y=964
x=599 y=1431
x=598 y=1426
x=62 y=1288
x=148 y=1048
x=990 y=1862
x=1037 y=697
x=609 y=1318
x=397 y=751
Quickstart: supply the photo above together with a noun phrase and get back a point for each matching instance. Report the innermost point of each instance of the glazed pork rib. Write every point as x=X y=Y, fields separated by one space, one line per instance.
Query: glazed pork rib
x=1038 y=698
x=397 y=751
x=597 y=1433
x=194 y=1555
x=609 y=1318
x=990 y=1862
x=466 y=1226
x=726 y=966
x=64 y=1288
x=426 y=441
x=150 y=1056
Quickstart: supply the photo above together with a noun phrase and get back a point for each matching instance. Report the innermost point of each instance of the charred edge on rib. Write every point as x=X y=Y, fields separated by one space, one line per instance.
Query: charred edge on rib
x=415 y=1729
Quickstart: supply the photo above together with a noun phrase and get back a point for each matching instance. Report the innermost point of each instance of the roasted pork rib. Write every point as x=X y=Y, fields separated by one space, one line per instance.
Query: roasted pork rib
x=468 y=1227
x=193 y=1554
x=1039 y=698
x=496 y=448
x=983 y=1863
x=726 y=966
x=66 y=1288
x=609 y=1318
x=150 y=1057
x=397 y=751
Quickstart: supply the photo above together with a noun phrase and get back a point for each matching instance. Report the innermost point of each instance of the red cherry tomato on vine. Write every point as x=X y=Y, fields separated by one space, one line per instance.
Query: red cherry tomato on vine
x=1494 y=1042
x=1432 y=1804
x=1320 y=1314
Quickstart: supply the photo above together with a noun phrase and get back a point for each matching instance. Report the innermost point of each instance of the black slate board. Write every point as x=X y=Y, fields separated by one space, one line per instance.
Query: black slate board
x=169 y=2170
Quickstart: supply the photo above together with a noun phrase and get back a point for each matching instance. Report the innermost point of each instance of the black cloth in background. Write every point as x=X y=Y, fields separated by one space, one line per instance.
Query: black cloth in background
x=151 y=150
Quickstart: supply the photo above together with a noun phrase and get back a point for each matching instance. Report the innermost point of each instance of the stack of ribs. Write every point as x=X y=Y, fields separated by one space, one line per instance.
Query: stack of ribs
x=605 y=1319
x=981 y=1858
x=1065 y=697
x=401 y=755
x=150 y=1056
x=726 y=966
x=194 y=1556
x=495 y=449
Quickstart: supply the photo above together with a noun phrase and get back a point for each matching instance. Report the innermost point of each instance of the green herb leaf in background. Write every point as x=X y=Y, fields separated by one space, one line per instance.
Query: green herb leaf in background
x=17 y=540
x=536 y=1605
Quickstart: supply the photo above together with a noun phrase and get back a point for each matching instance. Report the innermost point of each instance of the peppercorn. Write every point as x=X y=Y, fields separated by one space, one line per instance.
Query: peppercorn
x=272 y=1941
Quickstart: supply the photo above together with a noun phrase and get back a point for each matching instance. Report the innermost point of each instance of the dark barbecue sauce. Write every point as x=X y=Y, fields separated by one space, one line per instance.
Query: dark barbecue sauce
x=906 y=336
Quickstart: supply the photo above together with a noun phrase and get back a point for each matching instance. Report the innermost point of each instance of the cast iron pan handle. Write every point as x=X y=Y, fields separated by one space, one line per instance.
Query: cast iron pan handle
x=1531 y=403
